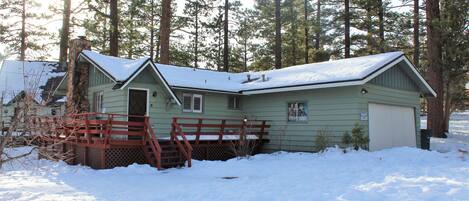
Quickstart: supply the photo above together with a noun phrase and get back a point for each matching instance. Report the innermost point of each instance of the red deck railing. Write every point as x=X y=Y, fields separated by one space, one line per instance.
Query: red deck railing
x=104 y=130
x=206 y=128
x=99 y=130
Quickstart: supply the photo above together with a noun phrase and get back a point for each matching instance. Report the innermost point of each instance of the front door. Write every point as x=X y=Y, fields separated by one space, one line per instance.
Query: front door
x=138 y=106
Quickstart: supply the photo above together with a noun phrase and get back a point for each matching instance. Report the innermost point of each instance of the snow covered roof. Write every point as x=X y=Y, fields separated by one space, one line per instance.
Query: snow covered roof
x=120 y=69
x=31 y=76
x=308 y=74
x=343 y=72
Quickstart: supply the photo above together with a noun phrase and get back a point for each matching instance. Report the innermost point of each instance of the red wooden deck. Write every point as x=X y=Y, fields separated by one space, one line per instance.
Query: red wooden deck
x=108 y=140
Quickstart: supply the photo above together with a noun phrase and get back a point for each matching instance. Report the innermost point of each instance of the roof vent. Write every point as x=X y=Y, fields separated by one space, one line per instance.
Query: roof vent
x=249 y=77
x=264 y=78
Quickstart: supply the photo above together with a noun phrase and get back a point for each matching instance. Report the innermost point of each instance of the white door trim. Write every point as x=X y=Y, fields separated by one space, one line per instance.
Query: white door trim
x=148 y=99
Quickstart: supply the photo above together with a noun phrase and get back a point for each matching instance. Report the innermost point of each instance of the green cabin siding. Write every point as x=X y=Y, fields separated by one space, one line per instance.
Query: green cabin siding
x=395 y=78
x=335 y=110
x=162 y=110
x=112 y=99
x=98 y=78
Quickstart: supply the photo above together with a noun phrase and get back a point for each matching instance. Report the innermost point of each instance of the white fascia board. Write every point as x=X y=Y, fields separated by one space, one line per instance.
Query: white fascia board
x=149 y=62
x=306 y=87
x=420 y=77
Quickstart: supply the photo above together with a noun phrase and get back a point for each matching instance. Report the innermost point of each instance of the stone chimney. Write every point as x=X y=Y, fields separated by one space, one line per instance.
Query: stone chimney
x=78 y=77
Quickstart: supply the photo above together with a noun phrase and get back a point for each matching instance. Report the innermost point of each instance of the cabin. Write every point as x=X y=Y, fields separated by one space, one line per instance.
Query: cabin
x=29 y=82
x=380 y=92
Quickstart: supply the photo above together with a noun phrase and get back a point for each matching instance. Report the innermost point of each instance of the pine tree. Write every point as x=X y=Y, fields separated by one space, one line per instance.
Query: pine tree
x=18 y=30
x=114 y=31
x=347 y=27
x=195 y=10
x=434 y=73
x=65 y=33
x=97 y=27
x=165 y=31
x=278 y=36
x=226 y=66
x=455 y=55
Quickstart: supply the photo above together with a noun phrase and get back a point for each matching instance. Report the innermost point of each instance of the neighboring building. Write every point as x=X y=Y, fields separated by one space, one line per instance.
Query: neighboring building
x=380 y=92
x=29 y=82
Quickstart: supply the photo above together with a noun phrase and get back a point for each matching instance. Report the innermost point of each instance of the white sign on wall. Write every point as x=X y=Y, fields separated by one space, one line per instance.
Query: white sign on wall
x=363 y=116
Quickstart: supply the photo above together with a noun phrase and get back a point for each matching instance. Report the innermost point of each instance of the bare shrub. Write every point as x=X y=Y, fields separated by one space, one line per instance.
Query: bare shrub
x=244 y=147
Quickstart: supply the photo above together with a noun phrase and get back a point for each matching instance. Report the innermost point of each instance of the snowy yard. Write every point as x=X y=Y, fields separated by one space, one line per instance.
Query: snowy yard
x=393 y=174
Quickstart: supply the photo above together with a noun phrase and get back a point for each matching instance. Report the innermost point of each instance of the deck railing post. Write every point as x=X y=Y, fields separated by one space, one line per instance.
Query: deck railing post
x=262 y=131
x=173 y=130
x=108 y=129
x=87 y=131
x=199 y=129
x=222 y=131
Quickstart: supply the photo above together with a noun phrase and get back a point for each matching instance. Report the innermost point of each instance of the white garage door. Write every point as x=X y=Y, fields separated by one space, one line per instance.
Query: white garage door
x=391 y=126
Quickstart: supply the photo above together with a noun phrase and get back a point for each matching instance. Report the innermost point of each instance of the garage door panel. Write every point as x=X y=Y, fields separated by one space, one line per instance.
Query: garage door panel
x=391 y=126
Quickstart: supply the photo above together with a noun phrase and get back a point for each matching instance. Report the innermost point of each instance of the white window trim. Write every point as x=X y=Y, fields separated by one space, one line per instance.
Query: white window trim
x=99 y=96
x=201 y=103
x=192 y=98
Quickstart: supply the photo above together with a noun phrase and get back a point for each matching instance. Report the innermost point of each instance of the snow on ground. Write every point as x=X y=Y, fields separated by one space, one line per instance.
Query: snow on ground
x=392 y=174
x=458 y=136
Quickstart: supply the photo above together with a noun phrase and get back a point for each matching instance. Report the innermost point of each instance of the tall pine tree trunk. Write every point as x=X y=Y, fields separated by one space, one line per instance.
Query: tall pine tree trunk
x=152 y=30
x=225 y=38
x=23 y=31
x=318 y=24
x=165 y=30
x=294 y=34
x=278 y=36
x=347 y=28
x=369 y=36
x=196 y=37
x=381 y=25
x=64 y=34
x=306 y=31
x=416 y=34
x=114 y=32
x=434 y=73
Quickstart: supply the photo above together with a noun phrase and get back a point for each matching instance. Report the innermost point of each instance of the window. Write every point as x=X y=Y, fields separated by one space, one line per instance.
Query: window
x=98 y=101
x=192 y=103
x=297 y=112
x=233 y=102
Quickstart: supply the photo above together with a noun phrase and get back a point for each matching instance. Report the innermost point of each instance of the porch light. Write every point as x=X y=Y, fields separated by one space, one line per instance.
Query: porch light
x=364 y=91
x=154 y=94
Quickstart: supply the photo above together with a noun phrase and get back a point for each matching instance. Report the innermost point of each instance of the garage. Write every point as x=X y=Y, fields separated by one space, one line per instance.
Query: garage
x=391 y=126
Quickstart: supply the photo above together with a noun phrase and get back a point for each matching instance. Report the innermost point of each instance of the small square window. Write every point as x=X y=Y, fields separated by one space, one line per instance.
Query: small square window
x=297 y=112
x=234 y=102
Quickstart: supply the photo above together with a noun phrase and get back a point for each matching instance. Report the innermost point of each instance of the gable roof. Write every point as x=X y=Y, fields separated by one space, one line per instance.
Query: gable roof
x=122 y=71
x=343 y=72
x=33 y=76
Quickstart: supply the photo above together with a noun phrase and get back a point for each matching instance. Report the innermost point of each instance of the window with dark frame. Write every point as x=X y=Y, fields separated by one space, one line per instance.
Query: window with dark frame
x=192 y=103
x=297 y=111
x=234 y=102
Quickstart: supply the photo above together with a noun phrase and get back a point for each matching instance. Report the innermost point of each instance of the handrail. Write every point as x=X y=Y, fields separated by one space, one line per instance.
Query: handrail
x=187 y=152
x=154 y=145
